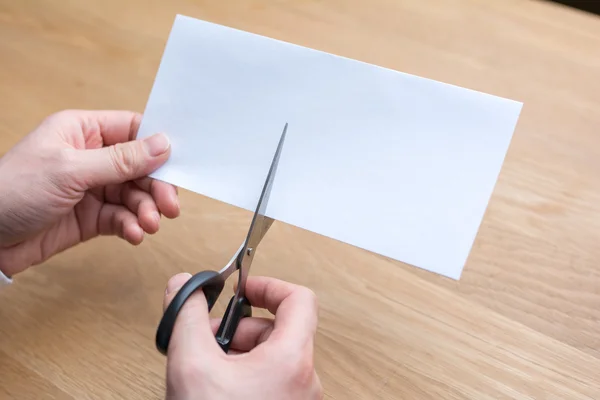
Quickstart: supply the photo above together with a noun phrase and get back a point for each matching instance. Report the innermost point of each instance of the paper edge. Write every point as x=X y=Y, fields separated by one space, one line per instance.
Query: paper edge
x=455 y=276
x=329 y=54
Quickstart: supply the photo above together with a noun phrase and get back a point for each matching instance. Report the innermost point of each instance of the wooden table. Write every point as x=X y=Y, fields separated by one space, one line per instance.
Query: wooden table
x=524 y=320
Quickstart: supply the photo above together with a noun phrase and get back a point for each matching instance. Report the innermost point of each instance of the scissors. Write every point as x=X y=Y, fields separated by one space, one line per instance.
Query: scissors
x=212 y=282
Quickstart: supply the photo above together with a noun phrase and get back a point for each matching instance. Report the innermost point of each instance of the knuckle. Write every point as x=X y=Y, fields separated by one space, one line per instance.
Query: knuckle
x=309 y=296
x=190 y=370
x=297 y=365
x=67 y=113
x=64 y=161
x=60 y=116
x=124 y=159
x=185 y=373
x=301 y=371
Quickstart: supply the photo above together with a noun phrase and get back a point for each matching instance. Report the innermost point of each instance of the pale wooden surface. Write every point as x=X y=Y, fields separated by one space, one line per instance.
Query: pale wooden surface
x=524 y=320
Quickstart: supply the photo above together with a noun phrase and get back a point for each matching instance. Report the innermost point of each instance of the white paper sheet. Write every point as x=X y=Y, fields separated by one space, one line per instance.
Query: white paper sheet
x=393 y=163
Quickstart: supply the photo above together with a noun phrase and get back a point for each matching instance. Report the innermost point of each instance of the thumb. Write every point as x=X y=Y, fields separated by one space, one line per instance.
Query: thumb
x=121 y=162
x=192 y=334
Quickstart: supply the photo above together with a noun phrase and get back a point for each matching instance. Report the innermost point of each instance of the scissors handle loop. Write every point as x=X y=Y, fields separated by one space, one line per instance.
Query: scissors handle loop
x=238 y=308
x=212 y=284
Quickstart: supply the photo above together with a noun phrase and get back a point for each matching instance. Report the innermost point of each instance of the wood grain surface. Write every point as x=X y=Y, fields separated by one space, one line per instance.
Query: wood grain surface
x=522 y=323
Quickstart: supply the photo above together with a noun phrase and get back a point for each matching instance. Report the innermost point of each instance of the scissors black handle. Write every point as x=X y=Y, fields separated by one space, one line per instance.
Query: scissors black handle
x=240 y=308
x=212 y=284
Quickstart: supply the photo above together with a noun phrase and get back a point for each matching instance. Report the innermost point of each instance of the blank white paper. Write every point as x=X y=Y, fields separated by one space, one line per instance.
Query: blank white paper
x=389 y=162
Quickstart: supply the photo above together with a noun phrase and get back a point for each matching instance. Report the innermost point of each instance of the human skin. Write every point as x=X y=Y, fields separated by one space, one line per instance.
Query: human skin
x=81 y=174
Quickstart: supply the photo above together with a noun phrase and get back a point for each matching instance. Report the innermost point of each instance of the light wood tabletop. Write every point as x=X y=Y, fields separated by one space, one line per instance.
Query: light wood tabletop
x=523 y=322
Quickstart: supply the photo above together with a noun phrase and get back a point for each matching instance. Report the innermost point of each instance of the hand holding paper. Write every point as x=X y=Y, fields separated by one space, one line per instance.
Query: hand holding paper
x=393 y=163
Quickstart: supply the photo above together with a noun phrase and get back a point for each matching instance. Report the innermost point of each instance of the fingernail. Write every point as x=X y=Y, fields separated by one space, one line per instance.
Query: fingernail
x=177 y=281
x=156 y=144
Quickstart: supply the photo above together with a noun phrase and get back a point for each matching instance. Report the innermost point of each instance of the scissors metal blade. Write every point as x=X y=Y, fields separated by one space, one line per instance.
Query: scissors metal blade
x=260 y=222
x=238 y=305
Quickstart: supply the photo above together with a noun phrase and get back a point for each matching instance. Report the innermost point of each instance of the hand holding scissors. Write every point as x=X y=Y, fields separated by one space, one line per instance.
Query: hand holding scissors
x=212 y=282
x=277 y=355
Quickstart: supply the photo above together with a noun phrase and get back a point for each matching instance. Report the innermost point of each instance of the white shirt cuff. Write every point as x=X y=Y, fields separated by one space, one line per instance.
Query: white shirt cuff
x=4 y=280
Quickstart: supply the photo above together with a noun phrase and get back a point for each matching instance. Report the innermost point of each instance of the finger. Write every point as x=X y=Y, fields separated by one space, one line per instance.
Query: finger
x=119 y=221
x=192 y=335
x=295 y=308
x=164 y=194
x=173 y=286
x=19 y=257
x=120 y=162
x=108 y=127
x=250 y=333
x=137 y=201
x=143 y=205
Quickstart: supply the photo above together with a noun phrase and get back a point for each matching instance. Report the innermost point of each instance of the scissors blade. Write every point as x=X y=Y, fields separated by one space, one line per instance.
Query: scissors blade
x=239 y=306
x=260 y=222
